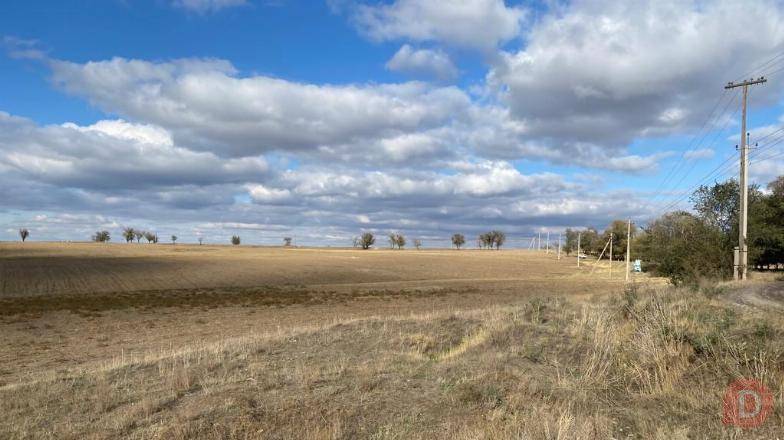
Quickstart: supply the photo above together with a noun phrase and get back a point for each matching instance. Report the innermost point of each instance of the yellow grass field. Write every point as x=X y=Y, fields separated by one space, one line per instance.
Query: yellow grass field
x=161 y=341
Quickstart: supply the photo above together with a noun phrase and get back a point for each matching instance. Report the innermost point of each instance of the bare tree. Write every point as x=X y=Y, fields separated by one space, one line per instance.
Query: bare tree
x=458 y=240
x=24 y=233
x=102 y=237
x=128 y=234
x=201 y=240
x=286 y=241
x=366 y=240
x=150 y=237
x=398 y=240
x=235 y=240
x=355 y=242
x=496 y=238
x=491 y=239
x=485 y=240
x=174 y=239
x=138 y=235
x=417 y=243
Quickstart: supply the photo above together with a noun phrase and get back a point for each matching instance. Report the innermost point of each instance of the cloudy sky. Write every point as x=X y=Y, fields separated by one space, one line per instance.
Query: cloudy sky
x=319 y=120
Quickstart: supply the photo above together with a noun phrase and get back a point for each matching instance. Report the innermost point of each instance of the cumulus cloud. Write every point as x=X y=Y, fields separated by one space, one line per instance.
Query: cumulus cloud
x=114 y=153
x=479 y=24
x=263 y=194
x=422 y=62
x=206 y=106
x=607 y=72
x=206 y=6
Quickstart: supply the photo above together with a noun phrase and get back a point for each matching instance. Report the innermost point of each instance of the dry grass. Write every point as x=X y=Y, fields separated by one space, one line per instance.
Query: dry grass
x=650 y=364
x=137 y=341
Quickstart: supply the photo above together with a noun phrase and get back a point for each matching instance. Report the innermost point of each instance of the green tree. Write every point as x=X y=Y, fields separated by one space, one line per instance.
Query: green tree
x=618 y=229
x=685 y=248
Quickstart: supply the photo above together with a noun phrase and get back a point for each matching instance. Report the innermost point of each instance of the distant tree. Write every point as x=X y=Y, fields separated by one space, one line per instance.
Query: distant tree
x=235 y=240
x=286 y=241
x=590 y=242
x=201 y=240
x=366 y=240
x=102 y=237
x=398 y=240
x=138 y=235
x=458 y=240
x=618 y=229
x=492 y=239
x=150 y=237
x=571 y=241
x=355 y=242
x=128 y=234
x=497 y=238
x=174 y=239
x=24 y=233
x=484 y=241
x=155 y=238
x=417 y=243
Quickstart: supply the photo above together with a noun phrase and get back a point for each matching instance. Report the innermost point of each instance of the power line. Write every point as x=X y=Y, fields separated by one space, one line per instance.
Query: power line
x=694 y=163
x=757 y=70
x=674 y=170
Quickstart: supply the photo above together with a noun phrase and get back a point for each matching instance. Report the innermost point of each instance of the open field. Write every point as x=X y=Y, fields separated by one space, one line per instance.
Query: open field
x=138 y=341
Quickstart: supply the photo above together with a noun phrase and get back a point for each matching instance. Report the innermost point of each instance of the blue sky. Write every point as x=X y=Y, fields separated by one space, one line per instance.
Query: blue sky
x=323 y=119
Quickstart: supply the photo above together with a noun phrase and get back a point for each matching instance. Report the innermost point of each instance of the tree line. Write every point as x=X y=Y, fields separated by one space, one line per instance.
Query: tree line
x=489 y=240
x=688 y=247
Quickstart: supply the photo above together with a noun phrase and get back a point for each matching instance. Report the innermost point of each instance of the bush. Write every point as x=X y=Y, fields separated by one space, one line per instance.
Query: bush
x=235 y=240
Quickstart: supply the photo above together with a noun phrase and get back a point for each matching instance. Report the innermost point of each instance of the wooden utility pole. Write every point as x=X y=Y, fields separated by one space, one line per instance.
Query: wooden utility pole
x=611 y=240
x=628 y=247
x=742 y=272
x=579 y=234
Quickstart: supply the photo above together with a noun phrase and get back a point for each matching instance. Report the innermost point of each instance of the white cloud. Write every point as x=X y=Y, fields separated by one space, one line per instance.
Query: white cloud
x=702 y=153
x=205 y=6
x=205 y=105
x=607 y=72
x=114 y=153
x=263 y=194
x=423 y=62
x=480 y=24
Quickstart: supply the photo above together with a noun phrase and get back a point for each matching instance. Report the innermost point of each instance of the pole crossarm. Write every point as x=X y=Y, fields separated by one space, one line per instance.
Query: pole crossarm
x=748 y=82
